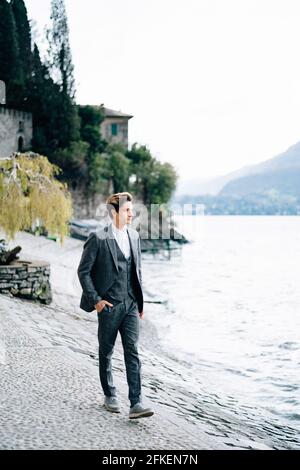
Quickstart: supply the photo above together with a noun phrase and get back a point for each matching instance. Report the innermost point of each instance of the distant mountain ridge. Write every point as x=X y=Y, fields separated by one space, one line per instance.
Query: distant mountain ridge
x=278 y=176
x=278 y=183
x=281 y=173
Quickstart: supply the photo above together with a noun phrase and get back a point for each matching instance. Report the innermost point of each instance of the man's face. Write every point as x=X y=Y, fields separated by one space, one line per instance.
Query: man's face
x=125 y=213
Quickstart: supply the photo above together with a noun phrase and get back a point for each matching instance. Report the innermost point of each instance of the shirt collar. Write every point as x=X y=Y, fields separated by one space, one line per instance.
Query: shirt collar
x=117 y=230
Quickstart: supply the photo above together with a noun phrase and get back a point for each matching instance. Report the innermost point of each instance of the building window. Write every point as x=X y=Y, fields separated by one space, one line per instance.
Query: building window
x=114 y=129
x=21 y=126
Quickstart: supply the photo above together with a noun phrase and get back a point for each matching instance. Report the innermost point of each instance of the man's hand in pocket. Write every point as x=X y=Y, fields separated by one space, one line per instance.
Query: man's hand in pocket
x=101 y=304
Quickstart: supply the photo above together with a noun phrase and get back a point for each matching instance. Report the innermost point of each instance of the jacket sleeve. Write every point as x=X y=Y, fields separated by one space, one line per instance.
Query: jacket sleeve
x=140 y=261
x=88 y=257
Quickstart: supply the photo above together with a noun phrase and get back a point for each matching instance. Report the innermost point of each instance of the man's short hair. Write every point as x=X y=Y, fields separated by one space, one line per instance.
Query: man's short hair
x=115 y=201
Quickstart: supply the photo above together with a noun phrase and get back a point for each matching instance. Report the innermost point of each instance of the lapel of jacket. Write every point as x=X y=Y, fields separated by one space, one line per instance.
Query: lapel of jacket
x=133 y=244
x=111 y=244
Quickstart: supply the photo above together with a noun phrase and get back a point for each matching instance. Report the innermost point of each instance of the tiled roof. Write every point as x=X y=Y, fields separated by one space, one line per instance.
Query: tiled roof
x=115 y=114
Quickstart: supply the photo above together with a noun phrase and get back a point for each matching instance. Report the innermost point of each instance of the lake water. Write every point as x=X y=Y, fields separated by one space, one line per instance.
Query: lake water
x=233 y=310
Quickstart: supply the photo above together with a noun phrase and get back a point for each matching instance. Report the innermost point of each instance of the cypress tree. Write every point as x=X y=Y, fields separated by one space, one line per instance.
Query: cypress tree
x=9 y=53
x=53 y=129
x=61 y=68
x=59 y=51
x=38 y=101
x=23 y=36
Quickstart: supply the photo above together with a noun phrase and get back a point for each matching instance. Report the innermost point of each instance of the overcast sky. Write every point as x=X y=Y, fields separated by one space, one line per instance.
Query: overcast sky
x=213 y=84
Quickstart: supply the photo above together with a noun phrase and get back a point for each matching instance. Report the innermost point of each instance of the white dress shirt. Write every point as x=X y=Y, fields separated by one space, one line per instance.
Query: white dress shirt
x=121 y=235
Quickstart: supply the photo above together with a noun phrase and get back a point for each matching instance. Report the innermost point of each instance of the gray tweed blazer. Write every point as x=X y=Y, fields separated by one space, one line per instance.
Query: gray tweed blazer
x=98 y=267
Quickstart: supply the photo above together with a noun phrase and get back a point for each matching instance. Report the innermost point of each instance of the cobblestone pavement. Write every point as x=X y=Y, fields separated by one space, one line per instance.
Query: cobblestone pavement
x=50 y=395
x=50 y=400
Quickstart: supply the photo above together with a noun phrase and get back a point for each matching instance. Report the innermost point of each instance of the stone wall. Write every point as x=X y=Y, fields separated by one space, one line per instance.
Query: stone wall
x=85 y=207
x=91 y=207
x=15 y=131
x=27 y=279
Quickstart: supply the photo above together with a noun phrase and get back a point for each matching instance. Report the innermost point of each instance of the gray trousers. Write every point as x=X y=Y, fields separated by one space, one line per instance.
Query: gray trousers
x=122 y=317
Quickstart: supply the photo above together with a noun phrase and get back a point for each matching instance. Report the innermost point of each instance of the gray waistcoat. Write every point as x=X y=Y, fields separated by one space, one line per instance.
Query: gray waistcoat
x=125 y=284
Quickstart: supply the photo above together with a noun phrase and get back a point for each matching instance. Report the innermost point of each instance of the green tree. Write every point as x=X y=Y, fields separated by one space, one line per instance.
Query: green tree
x=23 y=38
x=118 y=167
x=61 y=69
x=10 y=69
x=162 y=183
x=29 y=191
x=52 y=128
x=73 y=161
x=59 y=51
x=91 y=118
x=38 y=90
x=140 y=159
x=154 y=181
x=98 y=173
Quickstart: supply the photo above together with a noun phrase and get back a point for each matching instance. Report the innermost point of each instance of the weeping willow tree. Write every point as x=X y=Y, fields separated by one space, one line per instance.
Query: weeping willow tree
x=29 y=191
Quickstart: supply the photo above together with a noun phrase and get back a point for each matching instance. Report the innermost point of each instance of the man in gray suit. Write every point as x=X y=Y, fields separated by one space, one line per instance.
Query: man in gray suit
x=110 y=275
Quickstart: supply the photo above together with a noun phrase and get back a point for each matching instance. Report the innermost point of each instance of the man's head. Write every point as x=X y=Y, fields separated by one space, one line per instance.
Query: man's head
x=119 y=206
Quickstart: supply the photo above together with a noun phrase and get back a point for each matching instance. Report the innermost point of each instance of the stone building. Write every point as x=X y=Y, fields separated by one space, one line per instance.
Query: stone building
x=114 y=128
x=15 y=128
x=15 y=131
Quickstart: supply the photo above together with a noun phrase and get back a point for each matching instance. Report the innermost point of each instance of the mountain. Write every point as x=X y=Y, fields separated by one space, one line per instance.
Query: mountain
x=198 y=186
x=278 y=176
x=288 y=160
x=278 y=183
